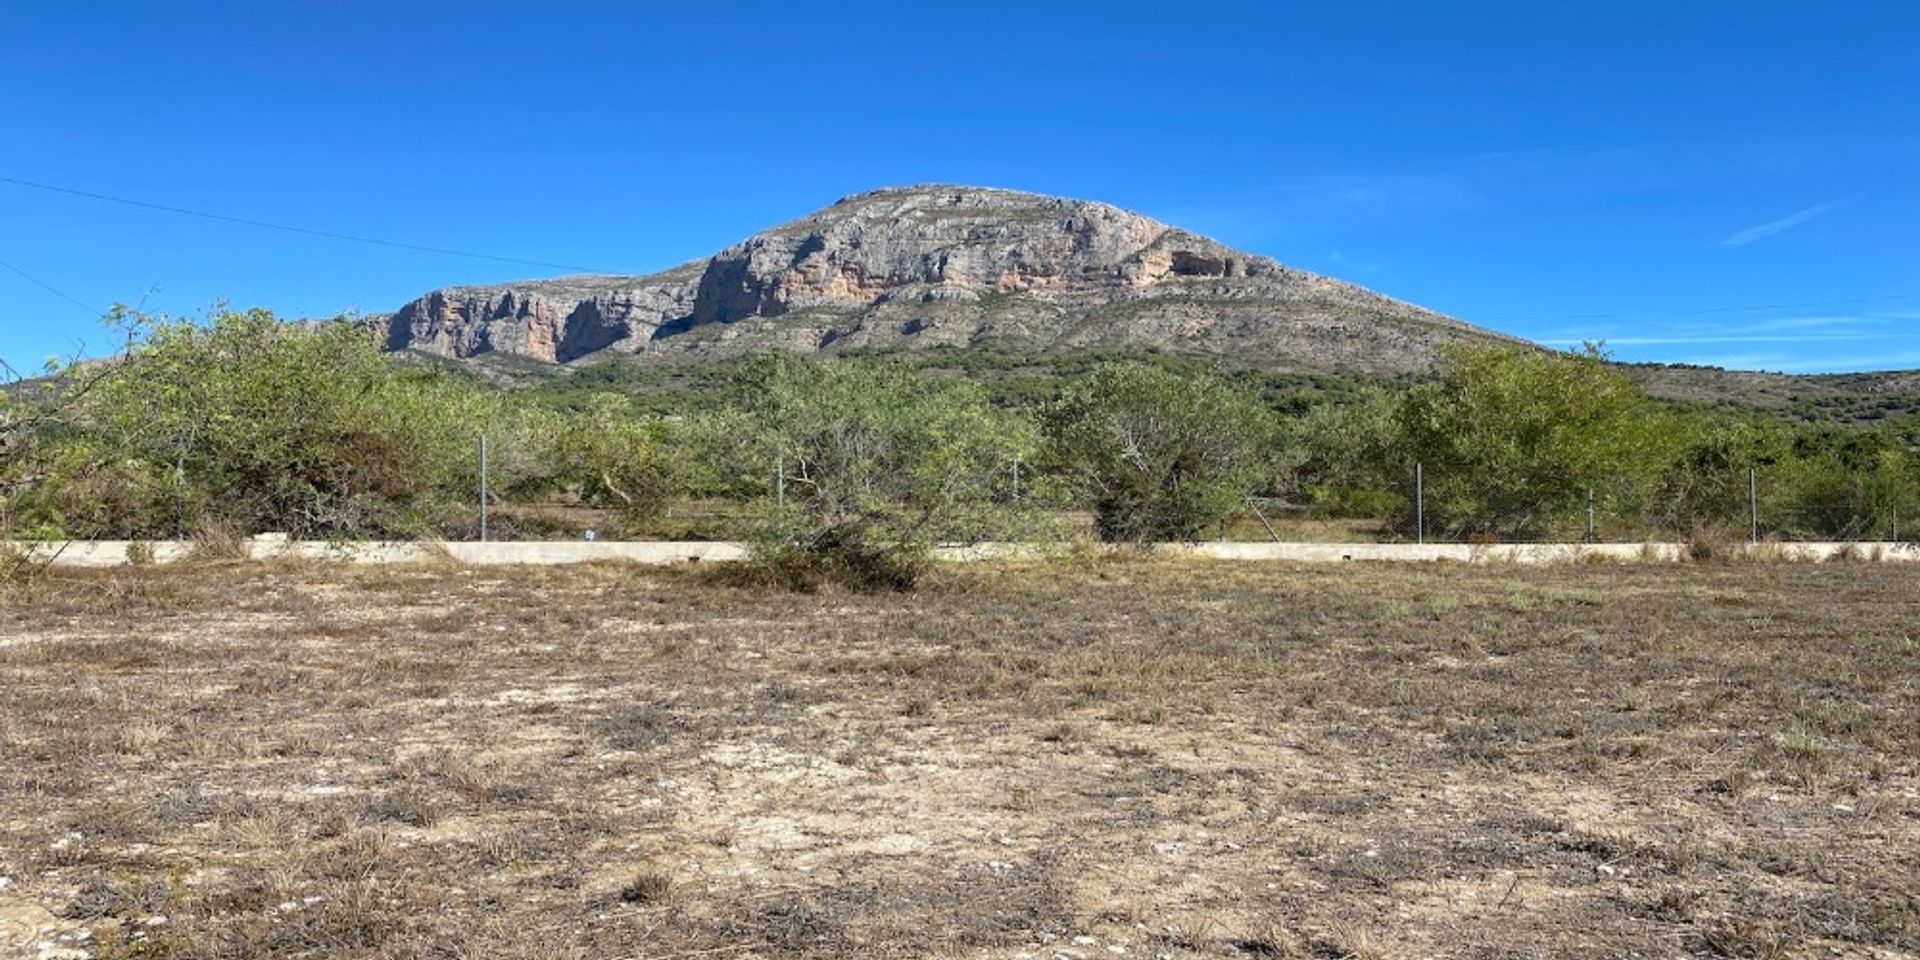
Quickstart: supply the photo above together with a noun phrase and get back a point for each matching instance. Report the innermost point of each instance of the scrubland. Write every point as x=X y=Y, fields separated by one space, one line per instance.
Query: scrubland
x=1138 y=758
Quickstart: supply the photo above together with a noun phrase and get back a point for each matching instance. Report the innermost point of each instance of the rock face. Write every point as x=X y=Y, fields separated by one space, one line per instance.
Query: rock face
x=550 y=320
x=917 y=267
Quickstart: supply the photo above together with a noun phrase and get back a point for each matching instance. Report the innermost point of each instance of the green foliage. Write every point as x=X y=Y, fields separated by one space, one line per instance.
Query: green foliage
x=248 y=424
x=1352 y=457
x=37 y=421
x=1703 y=482
x=1513 y=439
x=653 y=388
x=1159 y=454
x=861 y=467
x=19 y=433
x=259 y=425
x=616 y=458
x=1841 y=485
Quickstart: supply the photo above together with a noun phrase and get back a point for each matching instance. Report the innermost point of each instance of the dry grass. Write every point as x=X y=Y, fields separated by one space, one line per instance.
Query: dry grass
x=1169 y=758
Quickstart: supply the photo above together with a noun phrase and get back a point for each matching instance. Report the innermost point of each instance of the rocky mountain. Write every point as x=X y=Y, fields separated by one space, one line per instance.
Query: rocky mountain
x=916 y=267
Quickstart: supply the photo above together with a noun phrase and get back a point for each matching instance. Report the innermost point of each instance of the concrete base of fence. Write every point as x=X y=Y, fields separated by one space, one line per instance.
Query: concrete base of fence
x=115 y=553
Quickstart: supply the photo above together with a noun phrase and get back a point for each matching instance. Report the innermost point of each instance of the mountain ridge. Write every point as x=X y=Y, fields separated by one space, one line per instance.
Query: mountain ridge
x=936 y=264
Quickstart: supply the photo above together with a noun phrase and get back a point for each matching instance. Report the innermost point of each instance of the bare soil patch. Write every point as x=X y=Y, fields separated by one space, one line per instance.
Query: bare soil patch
x=1143 y=759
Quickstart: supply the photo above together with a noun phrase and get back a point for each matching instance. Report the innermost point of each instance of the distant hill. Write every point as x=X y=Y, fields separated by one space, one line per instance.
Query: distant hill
x=917 y=267
x=1015 y=274
x=1836 y=397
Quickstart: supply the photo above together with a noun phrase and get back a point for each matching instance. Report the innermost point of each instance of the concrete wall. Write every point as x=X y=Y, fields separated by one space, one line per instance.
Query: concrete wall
x=113 y=553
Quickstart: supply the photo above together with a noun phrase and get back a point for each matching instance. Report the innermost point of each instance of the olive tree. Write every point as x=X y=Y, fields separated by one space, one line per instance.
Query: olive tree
x=256 y=424
x=613 y=456
x=1840 y=484
x=861 y=467
x=1352 y=455
x=20 y=424
x=1514 y=438
x=39 y=417
x=1702 y=485
x=19 y=429
x=1159 y=454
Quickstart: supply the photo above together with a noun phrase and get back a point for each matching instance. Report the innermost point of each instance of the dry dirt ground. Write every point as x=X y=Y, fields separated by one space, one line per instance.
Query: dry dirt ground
x=1116 y=759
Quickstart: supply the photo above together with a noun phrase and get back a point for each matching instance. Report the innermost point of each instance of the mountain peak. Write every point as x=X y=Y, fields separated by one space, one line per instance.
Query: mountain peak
x=941 y=264
x=953 y=193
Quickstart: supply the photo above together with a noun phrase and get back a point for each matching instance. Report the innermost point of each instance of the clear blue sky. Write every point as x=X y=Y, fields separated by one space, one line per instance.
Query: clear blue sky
x=1727 y=183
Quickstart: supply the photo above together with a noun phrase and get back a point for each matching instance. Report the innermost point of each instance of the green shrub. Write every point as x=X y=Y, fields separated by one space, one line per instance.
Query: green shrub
x=612 y=456
x=859 y=468
x=258 y=425
x=1350 y=453
x=1513 y=438
x=1158 y=454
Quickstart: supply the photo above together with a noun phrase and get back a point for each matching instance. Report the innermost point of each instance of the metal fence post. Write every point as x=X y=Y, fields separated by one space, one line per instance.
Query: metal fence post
x=1590 y=534
x=1016 y=478
x=1419 y=502
x=780 y=481
x=1753 y=505
x=483 y=488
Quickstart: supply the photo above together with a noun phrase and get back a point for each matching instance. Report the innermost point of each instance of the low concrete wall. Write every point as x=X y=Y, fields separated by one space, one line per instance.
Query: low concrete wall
x=1524 y=553
x=1816 y=552
x=1459 y=552
x=114 y=553
x=659 y=552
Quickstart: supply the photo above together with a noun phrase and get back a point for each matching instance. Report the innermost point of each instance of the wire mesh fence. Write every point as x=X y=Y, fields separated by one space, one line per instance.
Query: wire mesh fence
x=1758 y=503
x=1753 y=505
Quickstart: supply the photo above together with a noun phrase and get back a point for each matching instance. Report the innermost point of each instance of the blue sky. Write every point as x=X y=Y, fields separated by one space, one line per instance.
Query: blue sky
x=1707 y=182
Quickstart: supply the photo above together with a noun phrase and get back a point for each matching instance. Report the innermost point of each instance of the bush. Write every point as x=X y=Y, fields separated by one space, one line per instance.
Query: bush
x=1159 y=454
x=1703 y=485
x=1713 y=543
x=257 y=425
x=879 y=464
x=611 y=456
x=35 y=413
x=1846 y=486
x=841 y=555
x=1513 y=439
x=249 y=424
x=1351 y=454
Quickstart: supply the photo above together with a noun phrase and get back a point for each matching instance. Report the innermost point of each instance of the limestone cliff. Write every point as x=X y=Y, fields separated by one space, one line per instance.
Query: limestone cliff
x=921 y=266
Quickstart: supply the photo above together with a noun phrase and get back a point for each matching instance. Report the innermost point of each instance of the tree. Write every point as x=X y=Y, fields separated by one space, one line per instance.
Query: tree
x=1351 y=454
x=35 y=411
x=260 y=425
x=1840 y=484
x=615 y=457
x=1702 y=485
x=1159 y=454
x=19 y=433
x=21 y=420
x=861 y=467
x=1514 y=438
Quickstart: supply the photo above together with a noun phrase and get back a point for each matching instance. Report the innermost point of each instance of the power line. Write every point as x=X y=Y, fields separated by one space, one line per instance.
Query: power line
x=56 y=291
x=328 y=234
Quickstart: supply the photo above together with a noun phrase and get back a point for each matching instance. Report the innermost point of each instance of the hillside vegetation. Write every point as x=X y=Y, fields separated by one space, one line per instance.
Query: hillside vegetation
x=244 y=424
